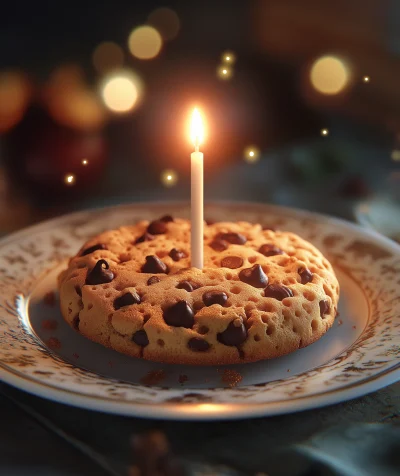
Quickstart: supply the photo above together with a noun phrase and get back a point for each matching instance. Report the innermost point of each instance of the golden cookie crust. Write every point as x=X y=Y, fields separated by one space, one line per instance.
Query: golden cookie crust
x=244 y=326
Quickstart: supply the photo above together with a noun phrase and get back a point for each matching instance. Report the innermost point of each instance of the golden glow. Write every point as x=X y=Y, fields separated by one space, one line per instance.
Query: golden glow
x=85 y=162
x=145 y=42
x=324 y=132
x=169 y=178
x=251 y=154
x=69 y=179
x=166 y=21
x=228 y=57
x=197 y=129
x=70 y=101
x=329 y=75
x=366 y=79
x=121 y=91
x=224 y=72
x=15 y=92
x=107 y=56
x=395 y=155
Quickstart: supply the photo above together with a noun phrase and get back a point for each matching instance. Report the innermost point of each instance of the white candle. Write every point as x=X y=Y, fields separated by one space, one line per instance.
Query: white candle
x=197 y=204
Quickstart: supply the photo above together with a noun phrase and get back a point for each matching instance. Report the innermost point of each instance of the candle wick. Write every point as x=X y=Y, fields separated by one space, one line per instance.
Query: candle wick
x=196 y=144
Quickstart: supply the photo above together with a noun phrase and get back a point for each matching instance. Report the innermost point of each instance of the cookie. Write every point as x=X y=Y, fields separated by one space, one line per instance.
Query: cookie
x=261 y=294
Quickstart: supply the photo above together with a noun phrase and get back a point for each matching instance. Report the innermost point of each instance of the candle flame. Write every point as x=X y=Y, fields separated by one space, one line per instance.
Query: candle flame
x=197 y=129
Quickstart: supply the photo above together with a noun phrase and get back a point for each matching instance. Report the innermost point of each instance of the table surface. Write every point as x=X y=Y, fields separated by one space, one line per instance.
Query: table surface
x=51 y=438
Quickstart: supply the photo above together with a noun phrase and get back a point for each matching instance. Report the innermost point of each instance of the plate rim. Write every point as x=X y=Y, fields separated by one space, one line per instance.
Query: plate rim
x=188 y=410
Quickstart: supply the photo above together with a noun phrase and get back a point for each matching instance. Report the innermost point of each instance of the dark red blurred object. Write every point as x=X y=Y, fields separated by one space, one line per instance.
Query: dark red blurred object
x=355 y=187
x=40 y=155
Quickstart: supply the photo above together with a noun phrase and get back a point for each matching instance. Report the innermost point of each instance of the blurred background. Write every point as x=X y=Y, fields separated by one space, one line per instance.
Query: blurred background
x=301 y=101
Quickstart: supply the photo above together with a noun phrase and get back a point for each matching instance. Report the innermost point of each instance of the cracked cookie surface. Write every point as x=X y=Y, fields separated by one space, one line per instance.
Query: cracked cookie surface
x=261 y=294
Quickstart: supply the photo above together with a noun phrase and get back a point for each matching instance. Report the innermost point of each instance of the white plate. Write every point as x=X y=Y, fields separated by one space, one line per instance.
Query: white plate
x=358 y=355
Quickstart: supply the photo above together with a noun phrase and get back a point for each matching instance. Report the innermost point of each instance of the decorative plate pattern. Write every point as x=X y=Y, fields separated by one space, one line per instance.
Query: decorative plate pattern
x=42 y=355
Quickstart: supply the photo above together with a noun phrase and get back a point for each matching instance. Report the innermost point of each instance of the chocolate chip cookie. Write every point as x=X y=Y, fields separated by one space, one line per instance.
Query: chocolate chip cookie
x=262 y=293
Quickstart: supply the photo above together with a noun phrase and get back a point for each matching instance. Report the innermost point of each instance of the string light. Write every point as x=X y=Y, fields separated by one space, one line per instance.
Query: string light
x=366 y=79
x=145 y=42
x=228 y=57
x=85 y=162
x=166 y=21
x=107 y=56
x=121 y=91
x=224 y=72
x=169 y=178
x=251 y=154
x=324 y=132
x=69 y=179
x=395 y=155
x=329 y=75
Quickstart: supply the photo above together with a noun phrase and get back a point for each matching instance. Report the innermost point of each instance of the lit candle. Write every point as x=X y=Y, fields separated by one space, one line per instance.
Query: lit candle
x=197 y=212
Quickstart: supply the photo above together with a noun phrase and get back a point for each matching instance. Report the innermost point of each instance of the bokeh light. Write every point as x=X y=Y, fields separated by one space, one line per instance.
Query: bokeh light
x=366 y=79
x=70 y=101
x=395 y=155
x=145 y=42
x=329 y=75
x=121 y=91
x=69 y=179
x=166 y=21
x=228 y=57
x=224 y=72
x=169 y=178
x=15 y=93
x=85 y=162
x=107 y=56
x=324 y=132
x=251 y=154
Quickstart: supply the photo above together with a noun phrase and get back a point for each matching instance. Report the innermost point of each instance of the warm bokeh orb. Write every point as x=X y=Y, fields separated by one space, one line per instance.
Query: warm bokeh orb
x=329 y=75
x=15 y=92
x=107 y=56
x=145 y=42
x=166 y=21
x=224 y=72
x=120 y=92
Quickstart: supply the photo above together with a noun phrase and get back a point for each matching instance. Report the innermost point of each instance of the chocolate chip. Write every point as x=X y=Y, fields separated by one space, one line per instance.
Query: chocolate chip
x=232 y=262
x=140 y=338
x=167 y=218
x=157 y=227
x=219 y=245
x=234 y=335
x=179 y=315
x=186 y=285
x=305 y=275
x=100 y=273
x=145 y=237
x=233 y=238
x=154 y=265
x=93 y=248
x=268 y=227
x=210 y=222
x=254 y=276
x=215 y=297
x=270 y=250
x=153 y=280
x=177 y=255
x=126 y=300
x=198 y=345
x=324 y=307
x=276 y=291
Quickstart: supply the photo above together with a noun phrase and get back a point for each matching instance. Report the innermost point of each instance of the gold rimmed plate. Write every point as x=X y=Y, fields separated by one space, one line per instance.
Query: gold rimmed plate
x=39 y=353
